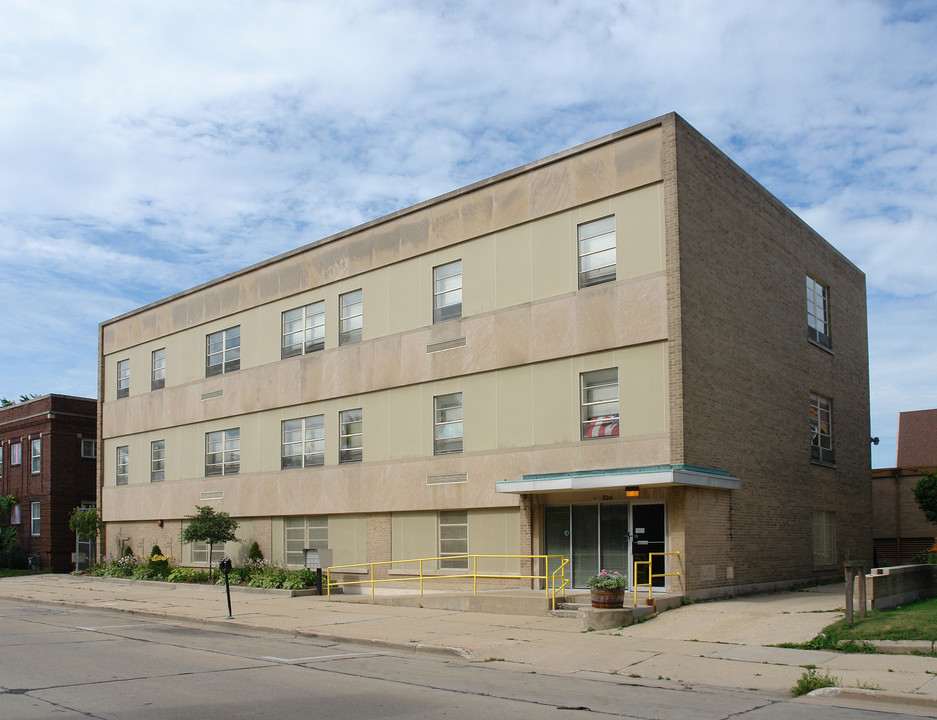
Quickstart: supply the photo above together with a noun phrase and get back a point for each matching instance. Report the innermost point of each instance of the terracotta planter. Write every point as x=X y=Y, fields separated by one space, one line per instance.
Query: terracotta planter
x=608 y=598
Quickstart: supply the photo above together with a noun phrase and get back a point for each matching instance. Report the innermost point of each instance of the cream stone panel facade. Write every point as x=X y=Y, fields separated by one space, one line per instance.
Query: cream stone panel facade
x=347 y=538
x=495 y=531
x=399 y=298
x=413 y=535
x=502 y=410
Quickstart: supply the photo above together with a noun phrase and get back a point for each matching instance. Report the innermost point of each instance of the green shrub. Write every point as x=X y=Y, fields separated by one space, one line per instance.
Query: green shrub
x=235 y=577
x=254 y=553
x=813 y=680
x=155 y=551
x=187 y=575
x=127 y=551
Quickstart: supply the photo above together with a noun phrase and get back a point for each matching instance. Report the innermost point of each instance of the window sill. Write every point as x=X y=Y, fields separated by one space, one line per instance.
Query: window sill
x=823 y=347
x=823 y=463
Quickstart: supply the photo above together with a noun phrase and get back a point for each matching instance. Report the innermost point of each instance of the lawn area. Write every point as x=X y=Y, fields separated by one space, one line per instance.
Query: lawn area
x=5 y=572
x=914 y=621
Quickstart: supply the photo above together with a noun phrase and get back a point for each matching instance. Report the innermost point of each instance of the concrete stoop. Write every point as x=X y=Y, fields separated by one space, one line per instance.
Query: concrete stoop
x=590 y=618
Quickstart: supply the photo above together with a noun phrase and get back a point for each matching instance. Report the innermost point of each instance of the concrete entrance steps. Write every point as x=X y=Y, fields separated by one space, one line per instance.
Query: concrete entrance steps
x=580 y=606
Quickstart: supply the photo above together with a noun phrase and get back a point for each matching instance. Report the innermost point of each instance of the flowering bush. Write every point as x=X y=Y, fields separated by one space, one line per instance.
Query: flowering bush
x=606 y=580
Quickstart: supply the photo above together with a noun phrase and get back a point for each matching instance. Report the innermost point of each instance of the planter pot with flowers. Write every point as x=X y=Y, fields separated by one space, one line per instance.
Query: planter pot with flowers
x=608 y=589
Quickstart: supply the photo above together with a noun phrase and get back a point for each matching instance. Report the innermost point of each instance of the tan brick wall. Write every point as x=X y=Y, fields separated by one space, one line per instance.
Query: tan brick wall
x=748 y=370
x=378 y=542
x=142 y=536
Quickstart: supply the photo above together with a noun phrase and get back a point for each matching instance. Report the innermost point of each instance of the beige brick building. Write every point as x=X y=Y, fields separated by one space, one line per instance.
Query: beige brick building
x=627 y=347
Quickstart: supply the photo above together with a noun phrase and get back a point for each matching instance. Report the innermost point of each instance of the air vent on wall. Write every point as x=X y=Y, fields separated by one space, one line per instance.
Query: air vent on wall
x=446 y=479
x=445 y=345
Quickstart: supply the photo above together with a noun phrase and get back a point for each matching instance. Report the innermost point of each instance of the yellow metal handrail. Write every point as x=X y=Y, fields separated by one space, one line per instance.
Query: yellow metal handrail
x=561 y=569
x=550 y=579
x=650 y=574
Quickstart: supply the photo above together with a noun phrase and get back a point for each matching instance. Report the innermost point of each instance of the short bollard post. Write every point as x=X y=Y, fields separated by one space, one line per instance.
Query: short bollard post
x=225 y=566
x=862 y=598
x=850 y=569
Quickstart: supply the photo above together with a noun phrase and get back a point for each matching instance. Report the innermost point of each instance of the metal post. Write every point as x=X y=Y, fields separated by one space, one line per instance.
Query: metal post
x=225 y=566
x=862 y=599
x=850 y=574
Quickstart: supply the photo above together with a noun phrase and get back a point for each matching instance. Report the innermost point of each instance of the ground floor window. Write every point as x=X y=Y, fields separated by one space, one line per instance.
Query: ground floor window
x=34 y=518
x=453 y=539
x=824 y=538
x=311 y=531
x=200 y=553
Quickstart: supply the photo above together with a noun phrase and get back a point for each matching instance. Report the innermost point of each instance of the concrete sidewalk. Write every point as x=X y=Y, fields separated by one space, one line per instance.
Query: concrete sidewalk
x=719 y=644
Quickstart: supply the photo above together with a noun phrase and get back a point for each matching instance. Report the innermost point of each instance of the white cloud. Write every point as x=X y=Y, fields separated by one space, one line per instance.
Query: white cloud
x=148 y=147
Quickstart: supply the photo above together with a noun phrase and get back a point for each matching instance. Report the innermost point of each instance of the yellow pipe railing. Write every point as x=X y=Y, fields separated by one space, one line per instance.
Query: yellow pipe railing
x=650 y=574
x=550 y=579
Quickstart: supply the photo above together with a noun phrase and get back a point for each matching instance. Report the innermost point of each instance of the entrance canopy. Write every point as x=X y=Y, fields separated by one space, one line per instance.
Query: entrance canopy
x=651 y=476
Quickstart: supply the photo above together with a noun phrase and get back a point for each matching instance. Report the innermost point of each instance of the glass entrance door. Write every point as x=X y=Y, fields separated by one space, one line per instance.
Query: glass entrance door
x=594 y=537
x=649 y=537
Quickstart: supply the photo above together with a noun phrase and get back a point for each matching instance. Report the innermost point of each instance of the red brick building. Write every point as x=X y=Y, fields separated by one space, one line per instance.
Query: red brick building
x=901 y=532
x=47 y=463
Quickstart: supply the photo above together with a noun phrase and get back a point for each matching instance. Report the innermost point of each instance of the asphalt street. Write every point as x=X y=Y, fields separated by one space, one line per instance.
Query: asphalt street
x=61 y=662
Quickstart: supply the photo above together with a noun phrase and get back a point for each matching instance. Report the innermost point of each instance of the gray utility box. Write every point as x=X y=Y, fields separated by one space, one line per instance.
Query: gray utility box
x=318 y=558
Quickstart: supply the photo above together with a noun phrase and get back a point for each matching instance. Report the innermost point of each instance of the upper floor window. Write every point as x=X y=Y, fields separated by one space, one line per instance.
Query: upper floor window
x=597 y=252
x=599 y=403
x=157 y=461
x=303 y=442
x=223 y=351
x=158 y=369
x=16 y=454
x=123 y=378
x=35 y=456
x=350 y=436
x=303 y=330
x=123 y=464
x=34 y=516
x=447 y=291
x=821 y=428
x=223 y=452
x=447 y=424
x=89 y=448
x=818 y=312
x=1 y=459
x=350 y=317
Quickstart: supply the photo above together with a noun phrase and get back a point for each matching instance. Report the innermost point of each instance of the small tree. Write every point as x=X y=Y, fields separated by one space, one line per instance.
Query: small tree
x=86 y=524
x=210 y=527
x=925 y=494
x=7 y=532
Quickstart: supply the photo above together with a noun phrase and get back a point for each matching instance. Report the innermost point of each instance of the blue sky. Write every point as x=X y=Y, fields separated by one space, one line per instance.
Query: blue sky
x=149 y=147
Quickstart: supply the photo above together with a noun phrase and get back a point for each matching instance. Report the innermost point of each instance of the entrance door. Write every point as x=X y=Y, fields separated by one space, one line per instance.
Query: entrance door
x=556 y=535
x=649 y=537
x=594 y=537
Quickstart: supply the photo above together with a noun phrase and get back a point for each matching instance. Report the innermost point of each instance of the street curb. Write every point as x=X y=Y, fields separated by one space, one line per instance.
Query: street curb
x=874 y=695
